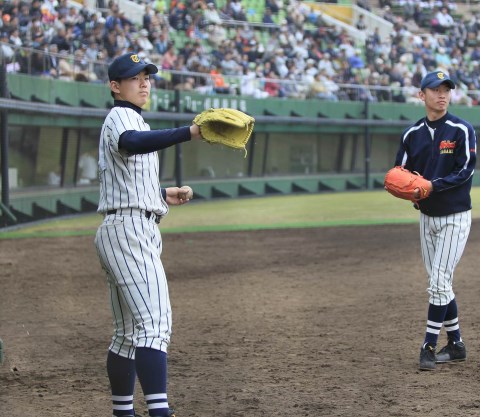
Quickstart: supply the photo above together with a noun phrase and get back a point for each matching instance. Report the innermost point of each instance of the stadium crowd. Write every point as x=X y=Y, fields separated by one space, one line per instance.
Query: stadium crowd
x=301 y=57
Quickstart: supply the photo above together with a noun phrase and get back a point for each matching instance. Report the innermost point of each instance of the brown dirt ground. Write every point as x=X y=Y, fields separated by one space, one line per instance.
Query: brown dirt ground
x=310 y=322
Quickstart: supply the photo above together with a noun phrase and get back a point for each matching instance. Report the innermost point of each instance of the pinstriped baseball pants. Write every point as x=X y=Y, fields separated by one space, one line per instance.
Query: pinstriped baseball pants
x=443 y=241
x=129 y=249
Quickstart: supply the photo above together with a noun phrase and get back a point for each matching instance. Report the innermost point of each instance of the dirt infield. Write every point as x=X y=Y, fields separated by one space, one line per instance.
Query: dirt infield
x=310 y=322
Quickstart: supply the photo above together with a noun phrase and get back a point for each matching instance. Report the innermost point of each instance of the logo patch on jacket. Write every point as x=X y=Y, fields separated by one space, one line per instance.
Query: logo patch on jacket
x=447 y=146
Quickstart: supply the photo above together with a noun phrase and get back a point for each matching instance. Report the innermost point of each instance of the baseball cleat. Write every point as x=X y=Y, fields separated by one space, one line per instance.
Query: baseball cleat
x=427 y=358
x=453 y=352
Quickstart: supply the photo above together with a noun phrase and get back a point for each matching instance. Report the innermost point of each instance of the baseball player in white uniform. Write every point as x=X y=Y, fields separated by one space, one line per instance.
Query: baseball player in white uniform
x=129 y=243
x=442 y=148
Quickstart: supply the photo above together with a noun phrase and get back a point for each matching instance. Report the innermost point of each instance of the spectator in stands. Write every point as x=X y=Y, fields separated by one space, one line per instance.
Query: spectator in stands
x=226 y=10
x=110 y=43
x=238 y=13
x=188 y=84
x=49 y=12
x=142 y=42
x=99 y=66
x=419 y=71
x=219 y=84
x=273 y=6
x=280 y=62
x=361 y=24
x=66 y=70
x=310 y=71
x=410 y=92
x=409 y=10
x=442 y=21
x=7 y=50
x=113 y=19
x=63 y=39
x=473 y=74
x=388 y=14
x=160 y=41
x=325 y=63
x=297 y=13
x=318 y=88
x=124 y=42
x=23 y=19
x=272 y=86
x=81 y=68
x=442 y=57
x=460 y=96
x=15 y=38
x=268 y=16
x=177 y=16
x=355 y=60
x=254 y=51
x=37 y=34
x=35 y=9
x=229 y=65
x=211 y=15
x=169 y=57
x=216 y=35
x=249 y=85
x=52 y=62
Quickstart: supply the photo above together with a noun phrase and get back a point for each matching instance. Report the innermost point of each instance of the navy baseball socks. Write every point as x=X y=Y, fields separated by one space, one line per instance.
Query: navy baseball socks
x=152 y=373
x=122 y=374
x=151 y=367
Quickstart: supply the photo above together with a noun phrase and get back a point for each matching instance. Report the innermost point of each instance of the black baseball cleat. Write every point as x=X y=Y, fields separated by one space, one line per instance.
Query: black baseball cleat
x=453 y=352
x=427 y=358
x=171 y=413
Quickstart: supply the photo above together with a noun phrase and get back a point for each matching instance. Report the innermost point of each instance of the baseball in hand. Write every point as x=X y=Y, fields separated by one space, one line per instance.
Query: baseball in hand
x=186 y=192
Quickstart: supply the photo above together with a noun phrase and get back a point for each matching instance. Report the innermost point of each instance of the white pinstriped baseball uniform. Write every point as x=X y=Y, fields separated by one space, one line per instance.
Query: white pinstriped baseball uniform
x=128 y=243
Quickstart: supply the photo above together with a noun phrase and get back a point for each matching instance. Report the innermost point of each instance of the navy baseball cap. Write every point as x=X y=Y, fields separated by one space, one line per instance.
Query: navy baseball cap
x=434 y=79
x=129 y=65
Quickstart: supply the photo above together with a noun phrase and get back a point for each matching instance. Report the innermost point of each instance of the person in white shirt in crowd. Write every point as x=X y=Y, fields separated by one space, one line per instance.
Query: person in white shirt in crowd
x=280 y=61
x=444 y=21
x=249 y=85
x=211 y=15
x=326 y=64
x=143 y=42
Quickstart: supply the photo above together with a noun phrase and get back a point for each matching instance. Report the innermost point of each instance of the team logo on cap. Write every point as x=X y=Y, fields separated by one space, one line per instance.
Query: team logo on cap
x=440 y=75
x=135 y=58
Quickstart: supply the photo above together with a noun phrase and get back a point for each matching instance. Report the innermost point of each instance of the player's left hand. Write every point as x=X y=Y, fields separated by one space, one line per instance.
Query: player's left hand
x=419 y=193
x=177 y=196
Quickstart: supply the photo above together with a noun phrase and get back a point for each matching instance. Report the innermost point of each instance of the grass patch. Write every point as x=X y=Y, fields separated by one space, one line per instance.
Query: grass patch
x=290 y=211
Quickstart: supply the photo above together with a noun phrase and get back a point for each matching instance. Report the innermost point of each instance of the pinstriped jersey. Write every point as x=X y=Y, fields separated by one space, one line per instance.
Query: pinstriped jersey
x=127 y=181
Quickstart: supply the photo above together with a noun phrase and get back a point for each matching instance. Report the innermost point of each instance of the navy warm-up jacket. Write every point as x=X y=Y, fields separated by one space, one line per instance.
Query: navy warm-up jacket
x=444 y=152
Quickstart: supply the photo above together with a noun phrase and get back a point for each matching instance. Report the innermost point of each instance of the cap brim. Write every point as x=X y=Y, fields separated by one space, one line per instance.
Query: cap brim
x=137 y=69
x=450 y=83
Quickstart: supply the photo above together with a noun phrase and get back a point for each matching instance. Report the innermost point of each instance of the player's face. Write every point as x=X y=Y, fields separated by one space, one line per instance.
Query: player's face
x=135 y=90
x=437 y=99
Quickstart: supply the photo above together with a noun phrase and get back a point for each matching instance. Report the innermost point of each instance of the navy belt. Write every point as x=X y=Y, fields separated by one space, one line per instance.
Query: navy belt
x=133 y=211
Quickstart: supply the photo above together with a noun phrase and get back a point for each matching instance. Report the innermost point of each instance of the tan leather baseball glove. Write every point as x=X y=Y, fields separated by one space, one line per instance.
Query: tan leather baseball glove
x=402 y=183
x=225 y=126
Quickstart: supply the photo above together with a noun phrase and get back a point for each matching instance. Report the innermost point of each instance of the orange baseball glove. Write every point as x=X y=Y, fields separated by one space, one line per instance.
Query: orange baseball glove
x=402 y=183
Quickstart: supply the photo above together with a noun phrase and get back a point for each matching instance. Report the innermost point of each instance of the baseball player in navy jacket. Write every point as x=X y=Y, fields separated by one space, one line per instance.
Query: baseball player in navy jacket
x=442 y=148
x=129 y=243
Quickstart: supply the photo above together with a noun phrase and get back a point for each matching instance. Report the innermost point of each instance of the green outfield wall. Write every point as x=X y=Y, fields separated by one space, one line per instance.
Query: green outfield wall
x=298 y=146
